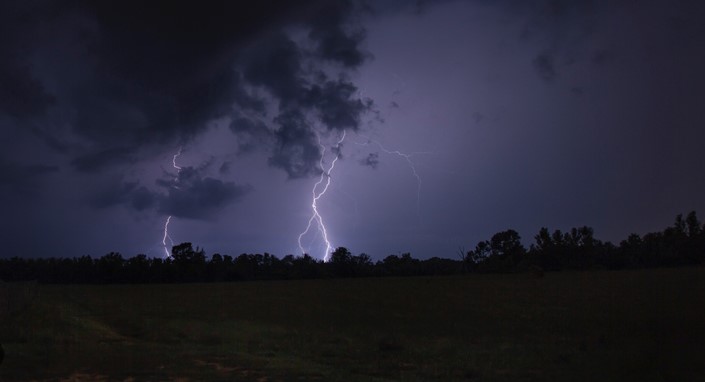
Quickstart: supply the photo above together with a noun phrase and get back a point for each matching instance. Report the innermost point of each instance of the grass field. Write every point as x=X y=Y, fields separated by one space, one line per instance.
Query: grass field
x=593 y=326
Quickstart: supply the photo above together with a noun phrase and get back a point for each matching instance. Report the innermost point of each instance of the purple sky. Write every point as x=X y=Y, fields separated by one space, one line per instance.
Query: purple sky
x=514 y=114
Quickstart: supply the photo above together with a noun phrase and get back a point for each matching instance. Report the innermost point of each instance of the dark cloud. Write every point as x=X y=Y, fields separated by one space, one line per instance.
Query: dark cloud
x=297 y=151
x=21 y=175
x=336 y=39
x=251 y=133
x=189 y=194
x=335 y=103
x=561 y=27
x=97 y=161
x=195 y=196
x=131 y=194
x=224 y=168
x=282 y=68
x=22 y=95
x=142 y=199
x=132 y=74
x=544 y=64
x=372 y=160
x=276 y=66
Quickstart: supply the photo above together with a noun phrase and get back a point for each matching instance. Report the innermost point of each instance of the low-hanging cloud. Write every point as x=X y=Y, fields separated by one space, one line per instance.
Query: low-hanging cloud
x=194 y=196
x=190 y=194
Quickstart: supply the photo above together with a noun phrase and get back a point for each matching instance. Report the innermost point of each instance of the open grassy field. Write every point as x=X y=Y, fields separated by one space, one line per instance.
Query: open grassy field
x=593 y=326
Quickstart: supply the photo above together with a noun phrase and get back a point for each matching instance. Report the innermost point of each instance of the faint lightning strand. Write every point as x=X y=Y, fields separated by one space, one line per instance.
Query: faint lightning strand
x=407 y=157
x=325 y=179
x=168 y=219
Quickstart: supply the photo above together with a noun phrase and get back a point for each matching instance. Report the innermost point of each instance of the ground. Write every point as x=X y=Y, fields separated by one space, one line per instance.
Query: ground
x=646 y=325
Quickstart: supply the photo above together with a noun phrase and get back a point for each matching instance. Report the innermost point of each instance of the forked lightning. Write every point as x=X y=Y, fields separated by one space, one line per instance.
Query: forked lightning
x=324 y=180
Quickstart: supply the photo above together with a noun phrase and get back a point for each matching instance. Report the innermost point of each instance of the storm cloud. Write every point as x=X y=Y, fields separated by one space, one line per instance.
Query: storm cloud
x=23 y=175
x=115 y=115
x=191 y=193
x=131 y=194
x=371 y=160
x=194 y=196
x=139 y=74
x=304 y=97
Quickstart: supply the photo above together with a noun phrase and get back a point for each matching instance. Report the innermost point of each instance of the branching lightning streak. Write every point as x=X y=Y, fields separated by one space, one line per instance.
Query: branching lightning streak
x=411 y=163
x=168 y=219
x=325 y=179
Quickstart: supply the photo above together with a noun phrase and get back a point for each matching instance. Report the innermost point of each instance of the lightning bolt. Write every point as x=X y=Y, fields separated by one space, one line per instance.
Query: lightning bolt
x=316 y=195
x=168 y=219
x=166 y=236
x=407 y=157
x=173 y=160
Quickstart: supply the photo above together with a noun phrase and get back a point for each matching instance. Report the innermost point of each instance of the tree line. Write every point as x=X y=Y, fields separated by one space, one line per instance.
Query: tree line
x=682 y=244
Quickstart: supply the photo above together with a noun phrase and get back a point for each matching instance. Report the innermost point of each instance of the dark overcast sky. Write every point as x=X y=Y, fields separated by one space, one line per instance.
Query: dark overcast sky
x=513 y=114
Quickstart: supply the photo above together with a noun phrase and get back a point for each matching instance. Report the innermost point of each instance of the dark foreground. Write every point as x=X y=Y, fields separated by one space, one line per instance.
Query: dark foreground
x=630 y=325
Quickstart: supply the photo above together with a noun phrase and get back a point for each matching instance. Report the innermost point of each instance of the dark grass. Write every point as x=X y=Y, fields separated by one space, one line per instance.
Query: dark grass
x=630 y=325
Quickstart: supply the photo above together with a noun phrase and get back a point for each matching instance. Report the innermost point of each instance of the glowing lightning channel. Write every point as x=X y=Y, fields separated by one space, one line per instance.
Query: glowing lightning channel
x=166 y=236
x=325 y=180
x=173 y=160
x=168 y=219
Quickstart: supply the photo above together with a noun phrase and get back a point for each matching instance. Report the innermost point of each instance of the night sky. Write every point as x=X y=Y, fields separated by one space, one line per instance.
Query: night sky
x=457 y=119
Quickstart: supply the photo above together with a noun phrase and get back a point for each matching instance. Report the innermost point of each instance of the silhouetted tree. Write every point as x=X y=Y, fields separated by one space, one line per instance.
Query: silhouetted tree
x=580 y=248
x=307 y=267
x=693 y=225
x=110 y=267
x=341 y=262
x=394 y=265
x=464 y=257
x=630 y=254
x=190 y=264
x=137 y=269
x=694 y=246
x=506 y=252
x=438 y=266
x=215 y=269
x=546 y=252
x=362 y=265
x=158 y=270
x=479 y=255
x=245 y=266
